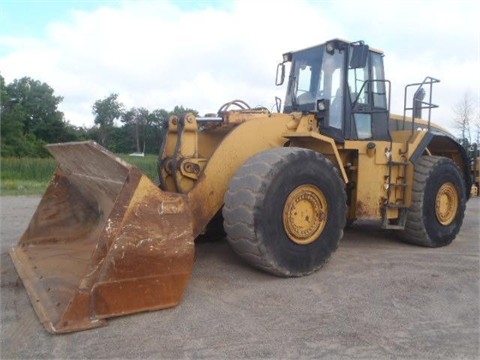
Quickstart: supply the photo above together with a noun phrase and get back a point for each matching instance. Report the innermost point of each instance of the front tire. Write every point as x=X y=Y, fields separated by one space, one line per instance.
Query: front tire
x=285 y=211
x=438 y=203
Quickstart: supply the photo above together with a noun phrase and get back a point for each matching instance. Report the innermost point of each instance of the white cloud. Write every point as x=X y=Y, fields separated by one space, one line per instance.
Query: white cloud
x=155 y=55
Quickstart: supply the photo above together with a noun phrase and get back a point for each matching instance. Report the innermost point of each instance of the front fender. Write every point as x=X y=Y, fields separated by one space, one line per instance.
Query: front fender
x=241 y=143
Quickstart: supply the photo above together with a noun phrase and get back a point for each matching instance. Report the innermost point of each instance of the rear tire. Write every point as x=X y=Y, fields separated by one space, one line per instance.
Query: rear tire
x=285 y=211
x=438 y=203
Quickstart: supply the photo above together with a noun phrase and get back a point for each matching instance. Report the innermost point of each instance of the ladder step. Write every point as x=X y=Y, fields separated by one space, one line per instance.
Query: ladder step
x=396 y=206
x=399 y=185
x=398 y=163
x=394 y=227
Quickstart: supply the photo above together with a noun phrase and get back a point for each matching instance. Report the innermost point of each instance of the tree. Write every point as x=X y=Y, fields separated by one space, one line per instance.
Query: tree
x=12 y=139
x=106 y=111
x=137 y=119
x=30 y=118
x=40 y=105
x=147 y=129
x=156 y=129
x=141 y=131
x=464 y=110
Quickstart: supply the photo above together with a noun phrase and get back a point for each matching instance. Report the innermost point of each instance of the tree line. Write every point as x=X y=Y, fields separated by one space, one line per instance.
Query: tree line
x=30 y=119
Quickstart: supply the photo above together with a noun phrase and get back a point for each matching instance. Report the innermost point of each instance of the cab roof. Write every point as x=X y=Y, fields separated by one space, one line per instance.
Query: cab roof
x=342 y=41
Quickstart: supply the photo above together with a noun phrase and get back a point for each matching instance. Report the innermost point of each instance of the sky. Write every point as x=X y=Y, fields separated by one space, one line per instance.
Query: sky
x=201 y=54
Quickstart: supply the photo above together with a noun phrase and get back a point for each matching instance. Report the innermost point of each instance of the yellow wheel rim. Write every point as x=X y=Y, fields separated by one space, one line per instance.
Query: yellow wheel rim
x=305 y=214
x=446 y=204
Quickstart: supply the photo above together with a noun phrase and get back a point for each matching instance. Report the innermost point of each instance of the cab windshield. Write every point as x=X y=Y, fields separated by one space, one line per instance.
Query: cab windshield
x=304 y=79
x=315 y=74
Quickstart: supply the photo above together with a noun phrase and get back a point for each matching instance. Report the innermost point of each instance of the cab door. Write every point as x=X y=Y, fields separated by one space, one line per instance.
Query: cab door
x=368 y=109
x=332 y=88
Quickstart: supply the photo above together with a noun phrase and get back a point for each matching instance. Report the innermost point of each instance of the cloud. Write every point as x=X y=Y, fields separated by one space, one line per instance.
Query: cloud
x=155 y=54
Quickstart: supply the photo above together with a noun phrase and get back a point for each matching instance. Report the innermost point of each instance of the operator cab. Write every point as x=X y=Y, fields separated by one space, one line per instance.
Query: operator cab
x=343 y=83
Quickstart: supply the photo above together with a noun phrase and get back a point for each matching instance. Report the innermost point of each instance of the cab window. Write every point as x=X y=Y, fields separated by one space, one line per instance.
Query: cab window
x=356 y=79
x=378 y=86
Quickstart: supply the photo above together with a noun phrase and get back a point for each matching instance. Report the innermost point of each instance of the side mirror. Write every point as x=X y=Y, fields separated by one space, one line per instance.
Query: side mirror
x=280 y=75
x=359 y=56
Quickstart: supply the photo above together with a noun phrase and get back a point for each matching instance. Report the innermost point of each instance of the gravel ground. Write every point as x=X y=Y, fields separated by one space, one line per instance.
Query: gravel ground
x=377 y=298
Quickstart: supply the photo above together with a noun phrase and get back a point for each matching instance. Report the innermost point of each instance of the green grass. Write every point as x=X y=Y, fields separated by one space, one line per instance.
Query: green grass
x=22 y=187
x=31 y=176
x=147 y=164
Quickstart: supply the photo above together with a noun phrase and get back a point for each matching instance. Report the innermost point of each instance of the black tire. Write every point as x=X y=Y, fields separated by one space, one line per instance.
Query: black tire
x=262 y=206
x=437 y=180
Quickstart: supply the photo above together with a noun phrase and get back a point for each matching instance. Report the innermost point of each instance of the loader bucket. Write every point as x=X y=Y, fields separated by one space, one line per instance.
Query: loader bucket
x=104 y=241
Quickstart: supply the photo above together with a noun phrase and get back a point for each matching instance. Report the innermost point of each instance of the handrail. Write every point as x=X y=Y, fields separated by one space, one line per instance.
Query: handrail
x=423 y=104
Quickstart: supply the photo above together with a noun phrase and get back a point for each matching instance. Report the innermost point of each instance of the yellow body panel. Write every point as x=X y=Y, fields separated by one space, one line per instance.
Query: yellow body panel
x=244 y=135
x=242 y=142
x=219 y=149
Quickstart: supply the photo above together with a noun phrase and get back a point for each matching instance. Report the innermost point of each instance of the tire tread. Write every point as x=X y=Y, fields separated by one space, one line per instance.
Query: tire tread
x=242 y=205
x=415 y=228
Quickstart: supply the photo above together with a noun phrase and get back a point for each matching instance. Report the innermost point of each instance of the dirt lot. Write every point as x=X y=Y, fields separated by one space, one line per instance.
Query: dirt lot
x=376 y=299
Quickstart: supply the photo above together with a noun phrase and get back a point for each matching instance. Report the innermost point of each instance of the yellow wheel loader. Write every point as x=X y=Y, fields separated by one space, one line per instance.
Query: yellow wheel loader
x=106 y=241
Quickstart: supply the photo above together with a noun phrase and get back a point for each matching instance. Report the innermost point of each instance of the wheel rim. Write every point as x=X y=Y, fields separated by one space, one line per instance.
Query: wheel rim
x=305 y=214
x=446 y=204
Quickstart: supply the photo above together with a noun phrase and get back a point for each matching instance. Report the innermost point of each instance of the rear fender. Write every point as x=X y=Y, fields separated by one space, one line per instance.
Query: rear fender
x=443 y=145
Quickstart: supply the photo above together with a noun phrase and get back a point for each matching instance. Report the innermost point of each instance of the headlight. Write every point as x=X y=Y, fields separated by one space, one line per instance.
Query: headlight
x=330 y=47
x=287 y=57
x=322 y=105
